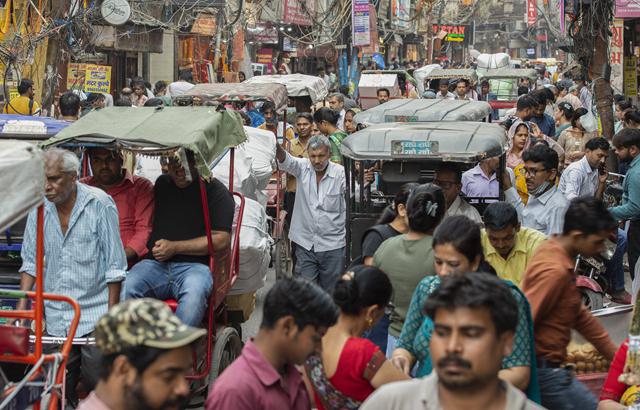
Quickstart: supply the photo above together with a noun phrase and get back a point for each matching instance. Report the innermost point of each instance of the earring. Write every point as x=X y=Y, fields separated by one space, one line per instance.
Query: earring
x=369 y=323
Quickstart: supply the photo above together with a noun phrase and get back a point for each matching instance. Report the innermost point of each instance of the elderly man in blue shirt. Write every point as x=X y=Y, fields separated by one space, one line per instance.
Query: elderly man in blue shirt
x=627 y=146
x=84 y=259
x=318 y=223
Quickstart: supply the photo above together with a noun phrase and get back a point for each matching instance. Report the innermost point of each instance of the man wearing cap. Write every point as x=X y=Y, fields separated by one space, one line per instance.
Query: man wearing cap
x=146 y=355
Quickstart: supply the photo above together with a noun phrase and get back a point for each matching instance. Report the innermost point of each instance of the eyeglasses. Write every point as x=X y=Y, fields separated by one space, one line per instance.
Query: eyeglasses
x=531 y=171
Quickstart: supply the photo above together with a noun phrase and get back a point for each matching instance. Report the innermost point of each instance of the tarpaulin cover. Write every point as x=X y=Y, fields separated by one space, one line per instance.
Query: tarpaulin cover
x=203 y=130
x=414 y=110
x=298 y=85
x=276 y=93
x=21 y=180
x=53 y=126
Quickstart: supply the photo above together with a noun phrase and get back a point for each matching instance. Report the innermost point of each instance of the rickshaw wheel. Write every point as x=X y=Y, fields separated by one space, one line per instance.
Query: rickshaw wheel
x=592 y=300
x=227 y=348
x=282 y=256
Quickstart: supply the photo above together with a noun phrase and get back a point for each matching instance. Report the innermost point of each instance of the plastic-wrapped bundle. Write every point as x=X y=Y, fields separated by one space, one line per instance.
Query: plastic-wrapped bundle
x=255 y=246
x=493 y=61
x=261 y=147
x=244 y=181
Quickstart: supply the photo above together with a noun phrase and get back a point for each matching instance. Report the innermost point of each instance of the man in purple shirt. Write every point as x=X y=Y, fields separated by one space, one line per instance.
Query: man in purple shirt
x=480 y=181
x=296 y=315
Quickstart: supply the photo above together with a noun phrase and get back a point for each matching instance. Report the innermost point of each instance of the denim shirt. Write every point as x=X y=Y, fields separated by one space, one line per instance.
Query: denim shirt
x=80 y=263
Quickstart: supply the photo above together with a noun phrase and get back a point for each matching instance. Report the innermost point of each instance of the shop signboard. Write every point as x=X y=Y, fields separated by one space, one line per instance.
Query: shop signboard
x=627 y=9
x=265 y=56
x=401 y=14
x=630 y=76
x=616 y=53
x=532 y=13
x=75 y=76
x=374 y=44
x=456 y=34
x=205 y=24
x=289 y=45
x=97 y=79
x=360 y=23
x=298 y=12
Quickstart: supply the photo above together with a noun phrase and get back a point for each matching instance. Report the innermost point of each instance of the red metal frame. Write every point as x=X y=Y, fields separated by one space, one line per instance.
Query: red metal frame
x=37 y=313
x=498 y=105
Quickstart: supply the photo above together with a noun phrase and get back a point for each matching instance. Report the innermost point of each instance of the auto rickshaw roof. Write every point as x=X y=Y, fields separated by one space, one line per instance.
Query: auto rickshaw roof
x=507 y=73
x=406 y=74
x=455 y=141
x=154 y=131
x=240 y=92
x=51 y=127
x=446 y=73
x=298 y=85
x=21 y=180
x=424 y=110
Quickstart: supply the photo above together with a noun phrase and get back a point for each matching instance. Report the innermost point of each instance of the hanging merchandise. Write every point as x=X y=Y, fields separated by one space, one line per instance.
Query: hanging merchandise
x=354 y=72
x=343 y=68
x=379 y=60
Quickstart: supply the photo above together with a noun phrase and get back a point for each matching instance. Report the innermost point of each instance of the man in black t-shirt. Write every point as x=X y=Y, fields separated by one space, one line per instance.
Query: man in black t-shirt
x=177 y=266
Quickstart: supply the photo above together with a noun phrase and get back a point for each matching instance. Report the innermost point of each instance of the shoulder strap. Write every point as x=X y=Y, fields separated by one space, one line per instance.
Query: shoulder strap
x=30 y=106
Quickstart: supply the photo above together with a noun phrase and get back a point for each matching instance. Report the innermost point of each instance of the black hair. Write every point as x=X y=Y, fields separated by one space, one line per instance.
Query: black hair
x=139 y=83
x=589 y=216
x=550 y=95
x=624 y=105
x=368 y=287
x=159 y=86
x=627 y=138
x=576 y=116
x=476 y=290
x=539 y=96
x=326 y=114
x=140 y=357
x=499 y=215
x=632 y=116
x=383 y=89
x=462 y=233
x=542 y=154
x=302 y=299
x=344 y=90
x=69 y=104
x=523 y=90
x=597 y=143
x=618 y=98
x=566 y=109
x=443 y=81
x=425 y=208
x=267 y=106
x=307 y=116
x=524 y=102
x=186 y=75
x=154 y=102
x=122 y=102
x=391 y=212
x=450 y=167
x=350 y=111
x=24 y=85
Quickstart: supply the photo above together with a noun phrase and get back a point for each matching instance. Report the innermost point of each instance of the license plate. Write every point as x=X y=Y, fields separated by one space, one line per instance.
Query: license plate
x=400 y=118
x=417 y=148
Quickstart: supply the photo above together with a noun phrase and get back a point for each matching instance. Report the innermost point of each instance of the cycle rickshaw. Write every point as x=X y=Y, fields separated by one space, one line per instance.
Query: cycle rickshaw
x=304 y=91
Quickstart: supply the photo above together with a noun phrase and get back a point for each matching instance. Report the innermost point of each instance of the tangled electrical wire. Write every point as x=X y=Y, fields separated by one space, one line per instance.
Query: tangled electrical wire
x=589 y=22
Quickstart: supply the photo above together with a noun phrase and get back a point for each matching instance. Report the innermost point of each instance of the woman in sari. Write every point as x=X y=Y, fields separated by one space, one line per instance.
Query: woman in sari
x=458 y=249
x=350 y=367
x=519 y=139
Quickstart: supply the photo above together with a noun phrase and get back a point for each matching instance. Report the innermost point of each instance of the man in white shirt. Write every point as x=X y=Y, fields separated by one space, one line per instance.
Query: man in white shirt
x=464 y=92
x=336 y=103
x=318 y=222
x=449 y=179
x=180 y=87
x=546 y=206
x=443 y=91
x=582 y=178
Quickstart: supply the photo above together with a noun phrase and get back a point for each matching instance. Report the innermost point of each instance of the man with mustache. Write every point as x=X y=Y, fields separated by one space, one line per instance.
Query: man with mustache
x=177 y=265
x=474 y=317
x=318 y=222
x=147 y=353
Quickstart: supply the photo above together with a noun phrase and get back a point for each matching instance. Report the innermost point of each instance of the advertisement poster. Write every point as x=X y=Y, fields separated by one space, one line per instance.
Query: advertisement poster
x=532 y=12
x=630 y=77
x=615 y=48
x=265 y=56
x=97 y=79
x=298 y=12
x=75 y=76
x=374 y=43
x=360 y=23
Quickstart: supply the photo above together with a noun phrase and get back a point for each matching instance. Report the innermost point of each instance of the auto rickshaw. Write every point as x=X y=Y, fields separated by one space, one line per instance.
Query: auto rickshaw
x=165 y=132
x=503 y=82
x=410 y=152
x=304 y=90
x=275 y=93
x=424 y=110
x=433 y=78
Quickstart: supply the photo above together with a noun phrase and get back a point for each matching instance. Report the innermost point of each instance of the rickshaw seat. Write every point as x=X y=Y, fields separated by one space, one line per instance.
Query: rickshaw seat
x=172 y=303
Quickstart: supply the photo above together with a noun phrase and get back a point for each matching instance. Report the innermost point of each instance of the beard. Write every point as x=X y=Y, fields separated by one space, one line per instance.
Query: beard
x=135 y=399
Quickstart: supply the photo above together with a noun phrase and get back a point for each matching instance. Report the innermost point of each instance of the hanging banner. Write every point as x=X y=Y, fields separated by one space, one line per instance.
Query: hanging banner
x=627 y=9
x=238 y=45
x=532 y=13
x=298 y=12
x=616 y=54
x=75 y=76
x=97 y=79
x=562 y=24
x=374 y=43
x=360 y=22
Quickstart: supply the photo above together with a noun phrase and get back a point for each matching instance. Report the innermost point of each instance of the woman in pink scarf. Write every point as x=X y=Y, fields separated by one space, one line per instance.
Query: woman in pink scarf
x=519 y=141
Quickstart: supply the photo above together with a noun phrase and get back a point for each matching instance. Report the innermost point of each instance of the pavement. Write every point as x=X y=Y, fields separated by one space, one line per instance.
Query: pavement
x=251 y=326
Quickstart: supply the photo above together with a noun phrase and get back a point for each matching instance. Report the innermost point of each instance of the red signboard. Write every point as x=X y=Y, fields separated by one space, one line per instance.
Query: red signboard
x=532 y=12
x=298 y=12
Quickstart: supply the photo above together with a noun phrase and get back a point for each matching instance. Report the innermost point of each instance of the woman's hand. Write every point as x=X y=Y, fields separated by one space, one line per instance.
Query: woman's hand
x=403 y=360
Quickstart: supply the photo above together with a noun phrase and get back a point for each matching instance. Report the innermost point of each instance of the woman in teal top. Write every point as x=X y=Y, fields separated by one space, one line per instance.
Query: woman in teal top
x=458 y=249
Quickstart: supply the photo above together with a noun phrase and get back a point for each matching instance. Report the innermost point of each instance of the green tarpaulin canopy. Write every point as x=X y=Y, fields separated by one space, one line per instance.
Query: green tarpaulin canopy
x=154 y=130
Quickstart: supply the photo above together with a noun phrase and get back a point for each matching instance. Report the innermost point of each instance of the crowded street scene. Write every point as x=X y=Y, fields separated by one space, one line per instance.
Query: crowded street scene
x=320 y=204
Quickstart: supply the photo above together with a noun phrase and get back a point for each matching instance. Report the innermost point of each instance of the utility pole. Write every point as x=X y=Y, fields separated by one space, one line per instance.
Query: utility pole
x=50 y=86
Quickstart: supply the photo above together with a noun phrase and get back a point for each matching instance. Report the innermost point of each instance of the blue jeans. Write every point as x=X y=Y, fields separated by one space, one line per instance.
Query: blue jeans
x=614 y=267
x=561 y=391
x=378 y=333
x=323 y=268
x=188 y=283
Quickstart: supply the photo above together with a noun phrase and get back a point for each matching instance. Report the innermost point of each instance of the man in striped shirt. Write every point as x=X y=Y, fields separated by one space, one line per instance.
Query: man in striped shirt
x=84 y=259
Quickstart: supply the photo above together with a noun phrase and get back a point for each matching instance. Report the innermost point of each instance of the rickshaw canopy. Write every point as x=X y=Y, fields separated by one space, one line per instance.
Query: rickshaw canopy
x=242 y=92
x=29 y=127
x=21 y=180
x=404 y=73
x=205 y=131
x=509 y=73
x=423 y=110
x=298 y=85
x=441 y=73
x=466 y=142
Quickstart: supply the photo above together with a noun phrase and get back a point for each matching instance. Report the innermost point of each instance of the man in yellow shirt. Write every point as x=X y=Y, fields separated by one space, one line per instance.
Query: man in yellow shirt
x=24 y=103
x=508 y=247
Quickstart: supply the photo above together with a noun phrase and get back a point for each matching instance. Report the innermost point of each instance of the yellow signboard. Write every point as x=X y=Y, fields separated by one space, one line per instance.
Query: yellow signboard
x=97 y=79
x=630 y=76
